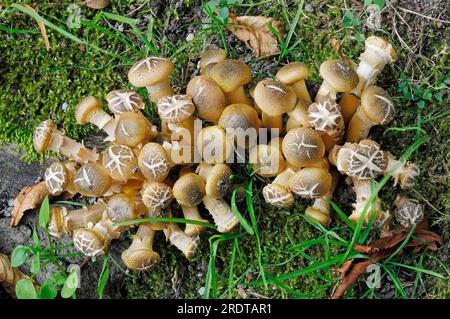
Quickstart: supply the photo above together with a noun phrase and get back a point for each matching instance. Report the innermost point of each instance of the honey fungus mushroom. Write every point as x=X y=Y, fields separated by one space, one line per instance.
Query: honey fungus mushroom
x=408 y=213
x=153 y=73
x=214 y=145
x=217 y=179
x=303 y=147
x=92 y=180
x=231 y=76
x=154 y=162
x=338 y=76
x=376 y=108
x=298 y=116
x=221 y=213
x=310 y=182
x=208 y=98
x=120 y=162
x=140 y=255
x=156 y=195
x=175 y=108
x=48 y=138
x=59 y=177
x=121 y=101
x=189 y=190
x=210 y=57
x=326 y=118
x=122 y=208
x=294 y=74
x=188 y=245
x=133 y=129
x=89 y=110
x=278 y=192
x=267 y=160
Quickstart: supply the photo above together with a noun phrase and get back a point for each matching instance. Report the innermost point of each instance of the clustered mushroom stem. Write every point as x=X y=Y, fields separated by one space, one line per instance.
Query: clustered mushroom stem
x=82 y=217
x=326 y=90
x=192 y=213
x=348 y=103
x=275 y=122
x=301 y=91
x=221 y=213
x=72 y=149
x=159 y=90
x=359 y=126
x=237 y=96
x=146 y=235
x=186 y=244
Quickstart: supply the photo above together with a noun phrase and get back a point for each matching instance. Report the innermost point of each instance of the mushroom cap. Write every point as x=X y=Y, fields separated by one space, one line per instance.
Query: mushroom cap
x=85 y=108
x=121 y=208
x=89 y=242
x=56 y=178
x=140 y=259
x=339 y=75
x=175 y=108
x=154 y=162
x=120 y=101
x=274 y=97
x=231 y=74
x=408 y=213
x=214 y=145
x=132 y=129
x=326 y=117
x=189 y=190
x=92 y=180
x=150 y=71
x=278 y=195
x=292 y=72
x=207 y=96
x=210 y=57
x=379 y=44
x=267 y=160
x=311 y=182
x=120 y=162
x=239 y=116
x=42 y=136
x=218 y=184
x=377 y=105
x=303 y=147
x=156 y=195
x=363 y=161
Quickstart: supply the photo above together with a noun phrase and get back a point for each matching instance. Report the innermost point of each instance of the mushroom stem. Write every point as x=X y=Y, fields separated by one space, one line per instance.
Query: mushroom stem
x=404 y=173
x=156 y=214
x=104 y=121
x=301 y=91
x=140 y=255
x=159 y=90
x=186 y=244
x=272 y=122
x=326 y=90
x=64 y=145
x=359 y=126
x=221 y=212
x=193 y=214
x=348 y=103
x=238 y=96
x=298 y=116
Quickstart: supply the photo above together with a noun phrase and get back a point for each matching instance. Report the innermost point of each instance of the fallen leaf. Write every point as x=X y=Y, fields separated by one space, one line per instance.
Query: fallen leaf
x=41 y=27
x=97 y=4
x=255 y=33
x=9 y=276
x=29 y=197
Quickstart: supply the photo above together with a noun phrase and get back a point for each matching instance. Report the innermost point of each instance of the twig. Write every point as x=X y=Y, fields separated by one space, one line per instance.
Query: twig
x=424 y=16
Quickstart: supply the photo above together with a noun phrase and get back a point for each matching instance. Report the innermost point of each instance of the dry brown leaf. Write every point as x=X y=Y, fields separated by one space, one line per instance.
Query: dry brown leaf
x=97 y=4
x=29 y=197
x=41 y=27
x=254 y=31
x=9 y=276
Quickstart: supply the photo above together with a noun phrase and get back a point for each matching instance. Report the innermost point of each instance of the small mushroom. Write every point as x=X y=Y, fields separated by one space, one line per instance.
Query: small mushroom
x=221 y=213
x=189 y=190
x=267 y=160
x=92 y=180
x=404 y=173
x=133 y=129
x=303 y=147
x=310 y=182
x=140 y=255
x=294 y=74
x=192 y=213
x=59 y=177
x=64 y=221
x=376 y=108
x=326 y=118
x=208 y=98
x=121 y=101
x=214 y=145
x=217 y=178
x=298 y=117
x=175 y=108
x=188 y=245
x=408 y=213
x=154 y=162
x=89 y=110
x=121 y=208
x=338 y=76
x=210 y=58
x=156 y=195
x=153 y=73
x=48 y=137
x=121 y=163
x=278 y=193
x=231 y=76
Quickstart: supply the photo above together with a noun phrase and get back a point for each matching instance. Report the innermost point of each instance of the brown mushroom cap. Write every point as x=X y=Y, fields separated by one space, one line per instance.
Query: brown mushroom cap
x=154 y=162
x=121 y=208
x=89 y=242
x=120 y=101
x=380 y=44
x=274 y=97
x=278 y=195
x=377 y=105
x=311 y=182
x=339 y=75
x=214 y=145
x=120 y=162
x=57 y=178
x=189 y=190
x=218 y=182
x=132 y=129
x=150 y=71
x=85 y=108
x=207 y=96
x=267 y=160
x=211 y=57
x=408 y=213
x=325 y=116
x=292 y=72
x=239 y=116
x=175 y=108
x=140 y=259
x=156 y=195
x=231 y=74
x=303 y=147
x=92 y=180
x=42 y=136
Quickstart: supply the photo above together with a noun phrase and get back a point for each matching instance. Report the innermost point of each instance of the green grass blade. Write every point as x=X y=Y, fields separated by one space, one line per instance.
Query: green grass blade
x=165 y=220
x=244 y=223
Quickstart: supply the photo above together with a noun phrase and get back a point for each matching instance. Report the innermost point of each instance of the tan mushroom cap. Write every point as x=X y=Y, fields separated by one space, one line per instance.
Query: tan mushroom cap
x=132 y=129
x=408 y=213
x=156 y=195
x=207 y=96
x=239 y=116
x=57 y=178
x=380 y=44
x=303 y=147
x=120 y=101
x=150 y=71
x=292 y=72
x=211 y=57
x=339 y=75
x=175 y=108
x=120 y=162
x=214 y=145
x=154 y=162
x=278 y=195
x=85 y=108
x=42 y=135
x=311 y=182
x=189 y=190
x=267 y=160
x=218 y=183
x=326 y=117
x=92 y=180
x=377 y=105
x=89 y=242
x=274 y=97
x=140 y=259
x=121 y=208
x=231 y=74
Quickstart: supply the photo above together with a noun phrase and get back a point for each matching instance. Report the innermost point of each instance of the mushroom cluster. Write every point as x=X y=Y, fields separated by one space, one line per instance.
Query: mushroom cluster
x=184 y=166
